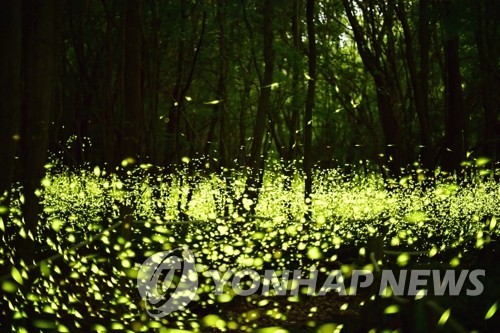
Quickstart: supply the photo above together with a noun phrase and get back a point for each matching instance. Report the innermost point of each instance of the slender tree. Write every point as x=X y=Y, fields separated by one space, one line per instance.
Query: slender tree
x=10 y=88
x=293 y=144
x=132 y=98
x=486 y=33
x=380 y=64
x=311 y=88
x=254 y=162
x=419 y=72
x=133 y=119
x=39 y=45
x=453 y=149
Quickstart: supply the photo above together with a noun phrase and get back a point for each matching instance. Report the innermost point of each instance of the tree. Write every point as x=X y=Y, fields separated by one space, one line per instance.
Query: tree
x=380 y=63
x=311 y=88
x=10 y=88
x=486 y=33
x=254 y=163
x=293 y=142
x=133 y=119
x=419 y=72
x=453 y=152
x=140 y=79
x=39 y=45
x=220 y=107
x=187 y=59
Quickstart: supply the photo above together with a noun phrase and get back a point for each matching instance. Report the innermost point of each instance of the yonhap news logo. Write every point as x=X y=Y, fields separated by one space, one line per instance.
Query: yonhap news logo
x=159 y=285
x=168 y=281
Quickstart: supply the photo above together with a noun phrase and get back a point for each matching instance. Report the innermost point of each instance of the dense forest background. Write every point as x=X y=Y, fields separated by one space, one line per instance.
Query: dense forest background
x=223 y=87
x=308 y=82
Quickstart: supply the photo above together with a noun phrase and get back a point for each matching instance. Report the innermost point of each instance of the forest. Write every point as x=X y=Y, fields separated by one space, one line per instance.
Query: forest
x=260 y=134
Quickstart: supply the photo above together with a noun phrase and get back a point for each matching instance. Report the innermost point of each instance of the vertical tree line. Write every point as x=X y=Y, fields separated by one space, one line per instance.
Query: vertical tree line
x=304 y=83
x=311 y=90
x=30 y=33
x=255 y=160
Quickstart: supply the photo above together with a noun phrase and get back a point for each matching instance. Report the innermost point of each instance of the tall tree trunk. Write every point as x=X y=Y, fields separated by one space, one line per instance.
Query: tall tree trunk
x=109 y=149
x=255 y=160
x=390 y=126
x=309 y=105
x=486 y=29
x=39 y=81
x=453 y=148
x=132 y=97
x=419 y=74
x=133 y=118
x=175 y=109
x=10 y=88
x=293 y=145
x=153 y=87
x=219 y=109
x=222 y=84
x=385 y=91
x=424 y=35
x=182 y=84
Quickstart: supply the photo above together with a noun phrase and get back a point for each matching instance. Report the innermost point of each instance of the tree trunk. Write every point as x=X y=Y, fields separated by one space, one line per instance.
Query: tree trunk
x=424 y=34
x=486 y=30
x=419 y=74
x=453 y=148
x=219 y=109
x=390 y=127
x=109 y=149
x=39 y=81
x=393 y=149
x=260 y=126
x=296 y=104
x=10 y=88
x=132 y=99
x=309 y=106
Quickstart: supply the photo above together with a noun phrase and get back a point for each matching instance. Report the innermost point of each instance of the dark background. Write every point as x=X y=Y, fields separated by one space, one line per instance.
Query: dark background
x=305 y=82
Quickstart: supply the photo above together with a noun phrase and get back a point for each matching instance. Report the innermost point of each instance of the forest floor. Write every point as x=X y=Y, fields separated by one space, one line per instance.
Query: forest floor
x=366 y=311
x=86 y=273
